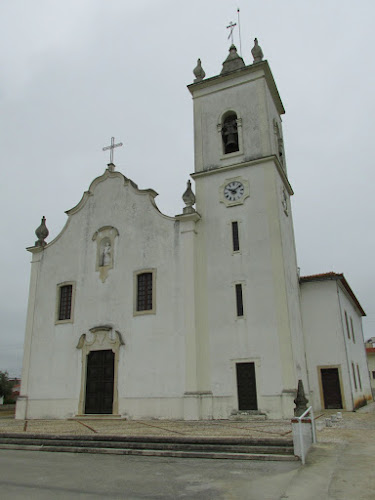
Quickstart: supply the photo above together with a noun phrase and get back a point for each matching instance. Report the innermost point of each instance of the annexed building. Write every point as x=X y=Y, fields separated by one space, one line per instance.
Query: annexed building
x=336 y=358
x=198 y=316
x=370 y=352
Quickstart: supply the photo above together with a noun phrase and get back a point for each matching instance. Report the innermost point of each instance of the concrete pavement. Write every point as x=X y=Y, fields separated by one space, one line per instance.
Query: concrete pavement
x=66 y=476
x=341 y=465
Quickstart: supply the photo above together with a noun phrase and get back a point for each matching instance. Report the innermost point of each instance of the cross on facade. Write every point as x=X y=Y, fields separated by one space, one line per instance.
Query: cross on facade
x=112 y=147
x=231 y=26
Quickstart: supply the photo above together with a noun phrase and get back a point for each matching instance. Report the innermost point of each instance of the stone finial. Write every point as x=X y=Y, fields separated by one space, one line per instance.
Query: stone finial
x=300 y=401
x=199 y=72
x=233 y=61
x=189 y=199
x=41 y=233
x=257 y=51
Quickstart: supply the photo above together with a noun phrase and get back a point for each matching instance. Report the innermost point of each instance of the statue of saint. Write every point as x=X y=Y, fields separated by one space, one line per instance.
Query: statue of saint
x=106 y=256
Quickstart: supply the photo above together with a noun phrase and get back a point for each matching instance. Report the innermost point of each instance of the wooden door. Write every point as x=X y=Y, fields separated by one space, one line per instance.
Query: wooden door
x=246 y=386
x=331 y=388
x=99 y=382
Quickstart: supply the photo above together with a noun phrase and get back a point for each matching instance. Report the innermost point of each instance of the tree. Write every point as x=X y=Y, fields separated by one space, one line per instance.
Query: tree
x=5 y=385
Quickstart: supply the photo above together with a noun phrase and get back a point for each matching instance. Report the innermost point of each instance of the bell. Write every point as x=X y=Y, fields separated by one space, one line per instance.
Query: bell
x=231 y=143
x=230 y=135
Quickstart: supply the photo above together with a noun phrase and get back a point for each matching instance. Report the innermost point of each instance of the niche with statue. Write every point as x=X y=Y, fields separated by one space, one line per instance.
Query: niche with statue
x=105 y=242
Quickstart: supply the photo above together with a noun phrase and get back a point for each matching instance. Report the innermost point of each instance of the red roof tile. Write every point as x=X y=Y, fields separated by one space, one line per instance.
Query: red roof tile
x=338 y=277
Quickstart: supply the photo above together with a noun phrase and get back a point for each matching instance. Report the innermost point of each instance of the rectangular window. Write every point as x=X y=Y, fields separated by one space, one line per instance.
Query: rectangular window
x=144 y=292
x=239 y=300
x=235 y=238
x=65 y=302
x=351 y=324
x=347 y=325
x=354 y=377
x=359 y=378
x=373 y=375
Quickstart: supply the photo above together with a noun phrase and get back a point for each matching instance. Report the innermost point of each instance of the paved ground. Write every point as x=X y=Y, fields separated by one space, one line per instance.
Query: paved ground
x=44 y=475
x=339 y=467
x=210 y=428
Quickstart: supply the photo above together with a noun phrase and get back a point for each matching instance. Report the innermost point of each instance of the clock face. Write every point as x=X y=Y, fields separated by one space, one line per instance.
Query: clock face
x=234 y=191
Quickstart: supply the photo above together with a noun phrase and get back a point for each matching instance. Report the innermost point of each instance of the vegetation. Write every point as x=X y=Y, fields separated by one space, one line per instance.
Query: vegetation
x=5 y=386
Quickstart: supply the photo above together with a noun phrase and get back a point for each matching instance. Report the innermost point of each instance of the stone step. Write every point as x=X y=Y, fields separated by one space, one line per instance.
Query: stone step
x=151 y=452
x=228 y=448
x=250 y=415
x=219 y=448
x=264 y=441
x=98 y=416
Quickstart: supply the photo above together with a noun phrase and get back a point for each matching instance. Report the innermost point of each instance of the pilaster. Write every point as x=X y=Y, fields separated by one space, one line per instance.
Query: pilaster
x=22 y=401
x=195 y=400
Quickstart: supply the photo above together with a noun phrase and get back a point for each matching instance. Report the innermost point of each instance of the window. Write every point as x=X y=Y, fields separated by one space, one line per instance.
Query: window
x=144 y=292
x=351 y=324
x=229 y=133
x=239 y=300
x=359 y=377
x=347 y=325
x=65 y=302
x=354 y=377
x=373 y=374
x=235 y=238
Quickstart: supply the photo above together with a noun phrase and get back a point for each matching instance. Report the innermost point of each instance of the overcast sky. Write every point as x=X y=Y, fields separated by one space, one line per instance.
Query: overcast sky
x=76 y=72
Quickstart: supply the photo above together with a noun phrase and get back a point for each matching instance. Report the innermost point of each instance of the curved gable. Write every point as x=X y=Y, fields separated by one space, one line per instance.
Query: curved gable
x=108 y=174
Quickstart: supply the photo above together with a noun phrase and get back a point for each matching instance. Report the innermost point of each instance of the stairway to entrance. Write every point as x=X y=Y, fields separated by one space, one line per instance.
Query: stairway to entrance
x=184 y=447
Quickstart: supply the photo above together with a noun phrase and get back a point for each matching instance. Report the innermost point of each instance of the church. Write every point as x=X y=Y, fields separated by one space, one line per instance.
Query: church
x=136 y=314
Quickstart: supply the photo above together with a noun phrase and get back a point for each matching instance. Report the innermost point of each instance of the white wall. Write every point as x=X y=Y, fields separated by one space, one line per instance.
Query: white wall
x=371 y=369
x=355 y=348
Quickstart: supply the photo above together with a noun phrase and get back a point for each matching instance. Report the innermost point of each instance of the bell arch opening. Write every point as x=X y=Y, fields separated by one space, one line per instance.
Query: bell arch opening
x=229 y=132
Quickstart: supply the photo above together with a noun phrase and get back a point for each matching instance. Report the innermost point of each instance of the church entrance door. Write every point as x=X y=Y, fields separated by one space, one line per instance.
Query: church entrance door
x=99 y=382
x=331 y=388
x=246 y=386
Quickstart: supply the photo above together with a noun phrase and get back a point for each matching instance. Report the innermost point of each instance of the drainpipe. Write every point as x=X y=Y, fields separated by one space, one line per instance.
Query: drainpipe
x=346 y=347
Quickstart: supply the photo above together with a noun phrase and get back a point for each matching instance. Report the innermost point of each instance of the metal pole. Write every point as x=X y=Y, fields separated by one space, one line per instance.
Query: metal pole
x=313 y=425
x=239 y=29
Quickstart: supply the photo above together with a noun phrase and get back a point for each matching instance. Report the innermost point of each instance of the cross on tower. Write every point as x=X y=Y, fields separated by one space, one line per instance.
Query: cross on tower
x=231 y=26
x=112 y=147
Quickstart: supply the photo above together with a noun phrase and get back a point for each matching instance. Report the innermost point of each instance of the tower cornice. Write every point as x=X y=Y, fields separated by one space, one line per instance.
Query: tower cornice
x=254 y=71
x=250 y=163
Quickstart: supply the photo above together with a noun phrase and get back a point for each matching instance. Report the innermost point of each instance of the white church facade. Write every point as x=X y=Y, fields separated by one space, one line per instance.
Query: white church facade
x=198 y=316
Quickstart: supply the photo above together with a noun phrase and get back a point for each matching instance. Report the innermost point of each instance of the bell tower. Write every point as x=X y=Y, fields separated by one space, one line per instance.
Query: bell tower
x=247 y=288
x=242 y=105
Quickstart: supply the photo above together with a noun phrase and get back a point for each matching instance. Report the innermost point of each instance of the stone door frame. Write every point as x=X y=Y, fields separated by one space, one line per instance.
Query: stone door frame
x=320 y=380
x=100 y=338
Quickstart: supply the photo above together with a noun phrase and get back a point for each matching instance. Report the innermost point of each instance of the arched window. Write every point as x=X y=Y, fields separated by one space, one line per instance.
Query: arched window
x=229 y=133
